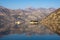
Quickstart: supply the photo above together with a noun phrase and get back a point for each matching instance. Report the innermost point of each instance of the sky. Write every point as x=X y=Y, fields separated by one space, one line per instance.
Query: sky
x=16 y=4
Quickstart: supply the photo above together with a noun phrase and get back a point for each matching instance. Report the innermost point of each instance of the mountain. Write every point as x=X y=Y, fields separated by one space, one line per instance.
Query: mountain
x=18 y=21
x=52 y=21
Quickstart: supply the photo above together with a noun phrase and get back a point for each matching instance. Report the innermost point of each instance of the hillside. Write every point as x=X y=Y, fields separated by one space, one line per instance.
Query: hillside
x=18 y=21
x=52 y=21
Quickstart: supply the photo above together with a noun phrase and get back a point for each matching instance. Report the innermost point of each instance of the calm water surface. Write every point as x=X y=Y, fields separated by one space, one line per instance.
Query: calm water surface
x=29 y=37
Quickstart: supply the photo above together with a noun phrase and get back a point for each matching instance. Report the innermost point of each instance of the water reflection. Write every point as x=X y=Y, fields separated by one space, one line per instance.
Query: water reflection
x=28 y=29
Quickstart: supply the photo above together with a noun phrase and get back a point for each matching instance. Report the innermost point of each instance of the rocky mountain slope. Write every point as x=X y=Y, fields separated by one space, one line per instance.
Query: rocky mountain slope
x=52 y=21
x=18 y=21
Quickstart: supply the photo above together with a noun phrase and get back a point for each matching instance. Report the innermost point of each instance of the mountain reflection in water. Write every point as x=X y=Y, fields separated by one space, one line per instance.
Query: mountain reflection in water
x=24 y=28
